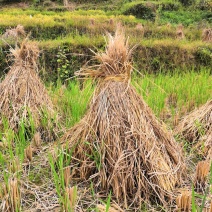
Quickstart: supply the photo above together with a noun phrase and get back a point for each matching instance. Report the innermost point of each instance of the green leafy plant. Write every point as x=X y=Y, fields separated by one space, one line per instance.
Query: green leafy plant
x=63 y=65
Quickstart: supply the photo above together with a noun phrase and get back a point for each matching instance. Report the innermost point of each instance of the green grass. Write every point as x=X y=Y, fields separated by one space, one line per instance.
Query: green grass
x=72 y=101
x=189 y=87
x=186 y=17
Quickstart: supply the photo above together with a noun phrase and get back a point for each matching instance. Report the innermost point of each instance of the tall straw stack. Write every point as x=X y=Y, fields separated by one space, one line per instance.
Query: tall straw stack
x=22 y=94
x=119 y=144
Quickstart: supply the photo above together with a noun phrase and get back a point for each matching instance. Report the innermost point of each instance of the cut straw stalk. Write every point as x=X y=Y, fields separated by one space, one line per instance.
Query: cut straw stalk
x=71 y=198
x=28 y=154
x=119 y=144
x=14 y=166
x=102 y=208
x=202 y=172
x=183 y=201
x=67 y=174
x=36 y=140
x=10 y=196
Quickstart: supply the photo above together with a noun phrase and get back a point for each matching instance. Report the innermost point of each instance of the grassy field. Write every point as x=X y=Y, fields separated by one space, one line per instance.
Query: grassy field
x=173 y=76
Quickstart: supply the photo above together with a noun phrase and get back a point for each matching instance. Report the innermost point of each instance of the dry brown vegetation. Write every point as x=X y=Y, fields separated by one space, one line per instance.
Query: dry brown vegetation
x=111 y=21
x=119 y=143
x=179 y=33
x=22 y=94
x=15 y=33
x=196 y=128
x=11 y=196
x=202 y=173
x=102 y=208
x=70 y=199
x=183 y=201
x=168 y=25
x=207 y=35
x=92 y=22
x=28 y=153
x=140 y=30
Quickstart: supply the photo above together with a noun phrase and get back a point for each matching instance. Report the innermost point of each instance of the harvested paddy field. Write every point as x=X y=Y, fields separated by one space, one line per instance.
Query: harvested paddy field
x=106 y=106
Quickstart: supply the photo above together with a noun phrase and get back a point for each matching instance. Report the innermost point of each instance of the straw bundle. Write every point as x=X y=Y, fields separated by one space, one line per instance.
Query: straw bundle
x=119 y=143
x=207 y=35
x=65 y=3
x=22 y=93
x=196 y=127
x=92 y=22
x=111 y=22
x=139 y=30
x=179 y=33
x=168 y=25
x=15 y=33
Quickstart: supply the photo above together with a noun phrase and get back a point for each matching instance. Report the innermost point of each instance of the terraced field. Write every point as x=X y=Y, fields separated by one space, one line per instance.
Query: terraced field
x=172 y=73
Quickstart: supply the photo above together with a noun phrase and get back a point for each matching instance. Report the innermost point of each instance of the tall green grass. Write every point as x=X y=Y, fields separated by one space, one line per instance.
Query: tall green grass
x=190 y=88
x=72 y=100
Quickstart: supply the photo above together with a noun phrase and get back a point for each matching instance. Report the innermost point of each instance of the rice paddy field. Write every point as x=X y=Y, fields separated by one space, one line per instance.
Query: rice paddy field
x=108 y=123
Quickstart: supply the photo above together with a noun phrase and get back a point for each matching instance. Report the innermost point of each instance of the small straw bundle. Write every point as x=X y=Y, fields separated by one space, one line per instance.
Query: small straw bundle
x=168 y=25
x=22 y=93
x=207 y=35
x=111 y=21
x=139 y=30
x=119 y=143
x=196 y=127
x=15 y=33
x=179 y=33
x=92 y=22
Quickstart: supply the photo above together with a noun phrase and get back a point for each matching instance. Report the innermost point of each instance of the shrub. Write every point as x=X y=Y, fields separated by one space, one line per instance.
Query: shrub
x=185 y=17
x=204 y=56
x=187 y=2
x=170 y=6
x=140 y=10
